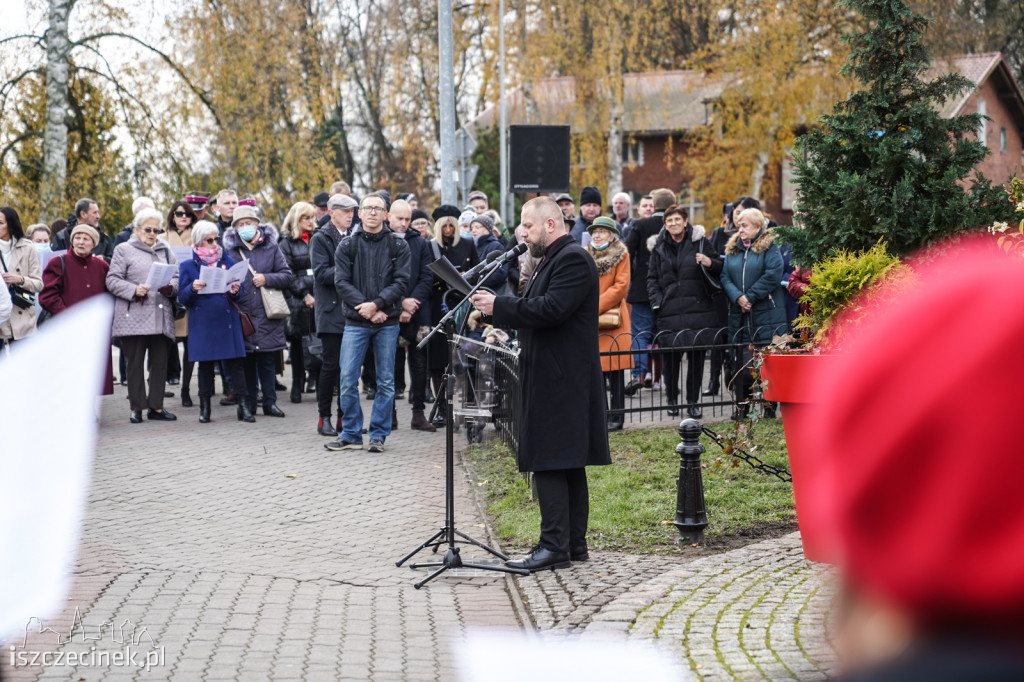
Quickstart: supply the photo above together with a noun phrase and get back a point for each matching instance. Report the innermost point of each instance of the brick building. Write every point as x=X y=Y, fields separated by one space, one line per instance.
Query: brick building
x=660 y=107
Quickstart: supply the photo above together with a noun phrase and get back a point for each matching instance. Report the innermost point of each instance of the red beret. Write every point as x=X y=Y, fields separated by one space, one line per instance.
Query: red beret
x=920 y=427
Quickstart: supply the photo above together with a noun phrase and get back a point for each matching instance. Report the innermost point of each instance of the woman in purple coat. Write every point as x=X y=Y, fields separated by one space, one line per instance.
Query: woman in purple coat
x=214 y=325
x=247 y=240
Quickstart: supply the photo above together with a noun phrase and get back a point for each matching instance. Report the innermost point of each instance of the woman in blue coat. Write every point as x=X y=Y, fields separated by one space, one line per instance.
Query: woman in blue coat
x=215 y=327
x=752 y=280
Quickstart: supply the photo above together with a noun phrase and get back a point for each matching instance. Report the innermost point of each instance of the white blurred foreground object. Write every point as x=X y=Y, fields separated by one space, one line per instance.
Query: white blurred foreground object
x=512 y=656
x=46 y=469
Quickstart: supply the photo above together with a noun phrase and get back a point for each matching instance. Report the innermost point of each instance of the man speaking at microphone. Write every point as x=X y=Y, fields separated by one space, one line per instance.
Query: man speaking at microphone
x=563 y=427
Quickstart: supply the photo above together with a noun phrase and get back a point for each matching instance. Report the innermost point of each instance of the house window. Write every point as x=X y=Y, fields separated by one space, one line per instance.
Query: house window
x=633 y=152
x=983 y=124
x=1002 y=140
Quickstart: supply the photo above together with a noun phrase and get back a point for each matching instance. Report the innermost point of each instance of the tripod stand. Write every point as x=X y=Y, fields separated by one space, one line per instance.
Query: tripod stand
x=448 y=534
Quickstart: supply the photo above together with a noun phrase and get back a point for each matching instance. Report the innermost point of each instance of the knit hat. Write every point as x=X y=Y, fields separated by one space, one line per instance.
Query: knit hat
x=476 y=194
x=320 y=200
x=605 y=222
x=417 y=214
x=244 y=212
x=590 y=195
x=923 y=490
x=466 y=217
x=485 y=219
x=445 y=210
x=88 y=230
x=341 y=201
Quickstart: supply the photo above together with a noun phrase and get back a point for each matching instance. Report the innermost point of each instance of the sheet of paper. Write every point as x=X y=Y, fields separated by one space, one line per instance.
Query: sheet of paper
x=182 y=253
x=218 y=280
x=160 y=274
x=46 y=470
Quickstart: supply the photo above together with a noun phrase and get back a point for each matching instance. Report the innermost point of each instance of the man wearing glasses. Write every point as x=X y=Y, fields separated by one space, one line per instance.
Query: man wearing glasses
x=371 y=274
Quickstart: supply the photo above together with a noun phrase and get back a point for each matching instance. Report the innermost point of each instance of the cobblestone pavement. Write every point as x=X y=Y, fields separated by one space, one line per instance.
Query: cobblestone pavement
x=198 y=535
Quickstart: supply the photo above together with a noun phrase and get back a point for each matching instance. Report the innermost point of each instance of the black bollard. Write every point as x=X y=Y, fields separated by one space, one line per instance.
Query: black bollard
x=691 y=517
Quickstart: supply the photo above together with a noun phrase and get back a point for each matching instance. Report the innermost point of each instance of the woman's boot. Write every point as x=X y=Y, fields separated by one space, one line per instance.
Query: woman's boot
x=204 y=410
x=244 y=413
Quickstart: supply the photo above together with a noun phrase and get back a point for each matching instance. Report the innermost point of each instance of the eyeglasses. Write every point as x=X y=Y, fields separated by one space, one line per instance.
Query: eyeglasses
x=180 y=214
x=210 y=240
x=374 y=209
x=149 y=230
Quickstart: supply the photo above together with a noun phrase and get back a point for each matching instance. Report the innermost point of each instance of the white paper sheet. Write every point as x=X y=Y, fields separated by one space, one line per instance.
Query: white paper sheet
x=46 y=470
x=160 y=274
x=218 y=280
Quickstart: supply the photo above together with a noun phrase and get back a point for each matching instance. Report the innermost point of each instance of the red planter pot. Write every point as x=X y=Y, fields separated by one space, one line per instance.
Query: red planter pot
x=791 y=381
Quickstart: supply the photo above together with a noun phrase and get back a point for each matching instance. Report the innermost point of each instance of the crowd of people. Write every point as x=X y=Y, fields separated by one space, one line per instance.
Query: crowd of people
x=344 y=288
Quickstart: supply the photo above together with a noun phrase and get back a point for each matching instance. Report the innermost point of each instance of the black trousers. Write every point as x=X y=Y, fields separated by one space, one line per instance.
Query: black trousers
x=173 y=361
x=564 y=508
x=236 y=370
x=617 y=390
x=187 y=367
x=694 y=375
x=134 y=349
x=417 y=374
x=330 y=374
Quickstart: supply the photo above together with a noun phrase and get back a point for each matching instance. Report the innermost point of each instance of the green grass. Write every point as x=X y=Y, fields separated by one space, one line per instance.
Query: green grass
x=632 y=502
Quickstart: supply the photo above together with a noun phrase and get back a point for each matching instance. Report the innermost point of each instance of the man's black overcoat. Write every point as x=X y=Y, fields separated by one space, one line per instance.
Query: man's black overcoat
x=562 y=423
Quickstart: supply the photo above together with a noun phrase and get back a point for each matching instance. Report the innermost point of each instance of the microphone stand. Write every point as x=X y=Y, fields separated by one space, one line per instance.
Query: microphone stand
x=448 y=534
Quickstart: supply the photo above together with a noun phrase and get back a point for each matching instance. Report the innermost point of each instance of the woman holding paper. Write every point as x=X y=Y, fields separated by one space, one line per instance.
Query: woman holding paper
x=214 y=323
x=256 y=244
x=143 y=277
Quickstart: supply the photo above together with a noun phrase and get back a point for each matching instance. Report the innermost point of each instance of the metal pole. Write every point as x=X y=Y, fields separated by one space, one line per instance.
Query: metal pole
x=503 y=172
x=691 y=517
x=447 y=94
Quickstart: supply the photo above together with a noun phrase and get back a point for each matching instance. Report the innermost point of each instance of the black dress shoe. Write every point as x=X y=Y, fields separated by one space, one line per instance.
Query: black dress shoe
x=136 y=417
x=673 y=411
x=272 y=410
x=168 y=394
x=579 y=553
x=310 y=386
x=540 y=559
x=296 y=396
x=614 y=426
x=163 y=415
x=694 y=412
x=244 y=413
x=712 y=389
x=278 y=386
x=633 y=386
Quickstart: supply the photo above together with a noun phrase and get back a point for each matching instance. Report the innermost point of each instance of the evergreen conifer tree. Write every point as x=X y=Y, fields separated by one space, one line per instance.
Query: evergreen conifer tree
x=885 y=165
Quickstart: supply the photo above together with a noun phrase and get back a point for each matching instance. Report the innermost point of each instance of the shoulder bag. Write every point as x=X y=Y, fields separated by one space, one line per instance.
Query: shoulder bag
x=274 y=303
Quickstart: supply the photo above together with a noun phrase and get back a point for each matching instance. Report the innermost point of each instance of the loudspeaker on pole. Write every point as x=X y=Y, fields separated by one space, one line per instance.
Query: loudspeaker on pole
x=539 y=158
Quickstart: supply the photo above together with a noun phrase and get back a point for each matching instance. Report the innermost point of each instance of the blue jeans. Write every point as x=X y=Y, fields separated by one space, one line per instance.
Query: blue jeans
x=384 y=341
x=641 y=321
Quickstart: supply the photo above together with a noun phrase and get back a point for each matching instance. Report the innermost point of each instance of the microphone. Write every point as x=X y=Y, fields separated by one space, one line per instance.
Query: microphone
x=472 y=274
x=495 y=260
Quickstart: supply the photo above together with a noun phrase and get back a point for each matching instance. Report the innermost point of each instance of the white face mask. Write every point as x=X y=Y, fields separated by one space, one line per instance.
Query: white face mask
x=42 y=248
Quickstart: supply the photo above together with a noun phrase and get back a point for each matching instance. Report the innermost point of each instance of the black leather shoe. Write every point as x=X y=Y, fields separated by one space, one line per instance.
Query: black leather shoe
x=633 y=386
x=694 y=412
x=163 y=415
x=579 y=553
x=230 y=398
x=244 y=413
x=540 y=559
x=272 y=410
x=278 y=386
x=429 y=398
x=614 y=426
x=204 y=410
x=673 y=411
x=712 y=389
x=136 y=417
x=324 y=428
x=168 y=394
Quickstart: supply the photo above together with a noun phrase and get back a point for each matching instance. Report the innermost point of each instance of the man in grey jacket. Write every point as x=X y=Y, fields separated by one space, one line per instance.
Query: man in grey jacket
x=371 y=274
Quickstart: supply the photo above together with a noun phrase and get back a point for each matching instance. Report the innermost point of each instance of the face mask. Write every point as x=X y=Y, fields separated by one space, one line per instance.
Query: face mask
x=42 y=248
x=599 y=248
x=247 y=233
x=465 y=235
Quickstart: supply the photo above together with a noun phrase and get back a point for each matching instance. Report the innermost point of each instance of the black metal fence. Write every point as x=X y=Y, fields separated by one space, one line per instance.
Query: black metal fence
x=709 y=370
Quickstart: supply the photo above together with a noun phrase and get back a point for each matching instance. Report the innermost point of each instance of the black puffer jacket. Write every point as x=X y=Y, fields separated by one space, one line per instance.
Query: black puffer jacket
x=372 y=266
x=296 y=254
x=680 y=295
x=328 y=313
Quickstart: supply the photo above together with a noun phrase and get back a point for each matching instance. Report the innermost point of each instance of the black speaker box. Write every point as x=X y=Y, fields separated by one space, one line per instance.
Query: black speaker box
x=539 y=158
